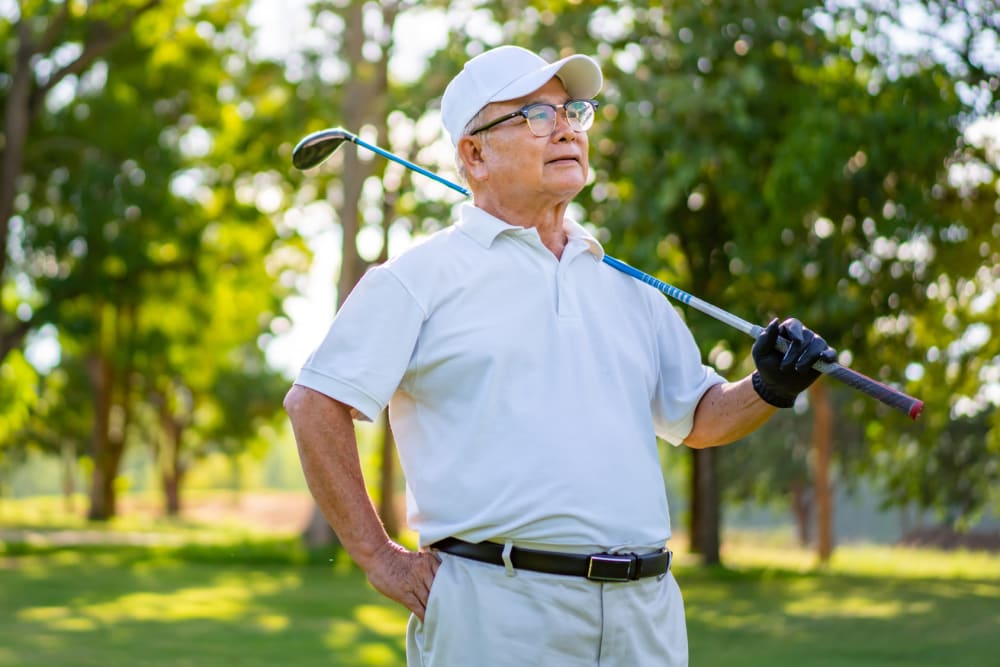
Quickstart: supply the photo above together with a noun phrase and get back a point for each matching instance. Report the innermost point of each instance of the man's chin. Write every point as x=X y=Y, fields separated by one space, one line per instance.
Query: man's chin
x=564 y=178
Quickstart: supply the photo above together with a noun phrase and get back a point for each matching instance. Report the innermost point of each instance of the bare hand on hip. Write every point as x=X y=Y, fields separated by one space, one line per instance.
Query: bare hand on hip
x=404 y=576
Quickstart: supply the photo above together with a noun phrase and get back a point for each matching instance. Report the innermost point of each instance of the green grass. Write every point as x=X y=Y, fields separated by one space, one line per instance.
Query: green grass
x=778 y=618
x=156 y=607
x=212 y=598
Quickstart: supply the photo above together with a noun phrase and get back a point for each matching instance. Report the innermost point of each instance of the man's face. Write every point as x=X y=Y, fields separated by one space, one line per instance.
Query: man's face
x=516 y=163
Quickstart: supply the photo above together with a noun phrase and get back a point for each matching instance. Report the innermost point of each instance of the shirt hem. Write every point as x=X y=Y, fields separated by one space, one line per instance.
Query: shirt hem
x=364 y=405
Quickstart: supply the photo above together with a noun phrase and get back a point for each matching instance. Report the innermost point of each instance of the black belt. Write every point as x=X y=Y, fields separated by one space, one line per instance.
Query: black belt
x=596 y=567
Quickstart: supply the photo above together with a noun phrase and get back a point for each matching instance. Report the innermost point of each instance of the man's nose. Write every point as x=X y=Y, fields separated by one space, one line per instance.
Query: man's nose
x=562 y=128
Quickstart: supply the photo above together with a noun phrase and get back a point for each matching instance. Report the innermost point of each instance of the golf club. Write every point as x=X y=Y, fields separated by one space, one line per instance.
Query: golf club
x=315 y=148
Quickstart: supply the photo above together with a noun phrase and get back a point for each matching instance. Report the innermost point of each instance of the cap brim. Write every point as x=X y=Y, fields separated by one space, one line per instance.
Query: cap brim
x=580 y=75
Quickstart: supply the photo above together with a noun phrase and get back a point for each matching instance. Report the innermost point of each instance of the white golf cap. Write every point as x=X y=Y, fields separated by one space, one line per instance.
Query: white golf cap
x=509 y=72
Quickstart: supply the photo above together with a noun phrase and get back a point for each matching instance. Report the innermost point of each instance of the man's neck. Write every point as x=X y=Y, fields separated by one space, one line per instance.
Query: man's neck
x=548 y=222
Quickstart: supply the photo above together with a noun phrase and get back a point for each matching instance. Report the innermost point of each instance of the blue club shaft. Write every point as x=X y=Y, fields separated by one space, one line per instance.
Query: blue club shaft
x=409 y=165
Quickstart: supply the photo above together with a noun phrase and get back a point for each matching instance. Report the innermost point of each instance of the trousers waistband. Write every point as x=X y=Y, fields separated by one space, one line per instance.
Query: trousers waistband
x=596 y=567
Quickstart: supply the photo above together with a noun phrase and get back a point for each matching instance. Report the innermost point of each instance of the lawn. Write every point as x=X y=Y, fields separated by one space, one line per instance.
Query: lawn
x=143 y=608
x=211 y=599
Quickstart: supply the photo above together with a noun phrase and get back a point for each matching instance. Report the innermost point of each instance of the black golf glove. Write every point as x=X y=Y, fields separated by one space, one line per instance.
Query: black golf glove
x=780 y=377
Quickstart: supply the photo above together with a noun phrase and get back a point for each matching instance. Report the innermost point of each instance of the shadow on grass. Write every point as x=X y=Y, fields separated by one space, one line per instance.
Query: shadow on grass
x=191 y=606
x=775 y=617
x=262 y=602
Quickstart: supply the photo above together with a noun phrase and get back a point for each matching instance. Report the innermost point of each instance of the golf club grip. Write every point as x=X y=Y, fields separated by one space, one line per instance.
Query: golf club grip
x=908 y=405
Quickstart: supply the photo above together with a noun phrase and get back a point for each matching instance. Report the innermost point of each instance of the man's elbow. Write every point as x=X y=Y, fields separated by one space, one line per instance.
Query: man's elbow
x=696 y=440
x=294 y=400
x=704 y=425
x=302 y=403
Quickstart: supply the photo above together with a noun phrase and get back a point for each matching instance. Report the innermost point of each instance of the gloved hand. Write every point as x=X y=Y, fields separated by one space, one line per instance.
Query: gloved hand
x=780 y=377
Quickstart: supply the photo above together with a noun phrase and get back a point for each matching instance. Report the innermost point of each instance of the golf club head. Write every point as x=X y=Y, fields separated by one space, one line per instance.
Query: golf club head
x=315 y=148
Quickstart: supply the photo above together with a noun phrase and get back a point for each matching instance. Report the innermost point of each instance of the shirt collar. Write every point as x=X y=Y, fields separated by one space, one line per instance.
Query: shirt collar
x=484 y=228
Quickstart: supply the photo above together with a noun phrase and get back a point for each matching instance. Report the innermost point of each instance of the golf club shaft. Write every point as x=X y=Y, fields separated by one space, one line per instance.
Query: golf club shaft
x=910 y=406
x=409 y=165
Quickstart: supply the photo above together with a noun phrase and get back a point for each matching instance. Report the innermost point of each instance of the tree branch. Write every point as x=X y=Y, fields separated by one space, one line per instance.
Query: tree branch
x=54 y=30
x=13 y=338
x=106 y=38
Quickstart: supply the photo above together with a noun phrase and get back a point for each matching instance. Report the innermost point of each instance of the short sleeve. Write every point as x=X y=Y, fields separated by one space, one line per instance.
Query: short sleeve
x=683 y=379
x=368 y=346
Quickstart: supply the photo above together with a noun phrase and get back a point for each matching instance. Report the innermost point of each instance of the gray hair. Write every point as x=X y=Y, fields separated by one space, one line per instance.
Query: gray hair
x=475 y=121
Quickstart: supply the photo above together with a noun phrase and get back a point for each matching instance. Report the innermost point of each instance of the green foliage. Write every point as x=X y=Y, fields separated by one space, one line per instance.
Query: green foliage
x=132 y=243
x=17 y=397
x=778 y=158
x=54 y=423
x=778 y=161
x=768 y=464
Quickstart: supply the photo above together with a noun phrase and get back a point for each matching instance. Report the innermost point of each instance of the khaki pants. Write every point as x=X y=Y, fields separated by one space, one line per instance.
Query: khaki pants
x=480 y=616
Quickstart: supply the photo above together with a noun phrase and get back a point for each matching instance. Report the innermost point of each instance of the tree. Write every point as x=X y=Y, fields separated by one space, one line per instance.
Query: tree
x=55 y=45
x=18 y=399
x=126 y=225
x=764 y=157
x=363 y=95
x=940 y=333
x=772 y=156
x=366 y=193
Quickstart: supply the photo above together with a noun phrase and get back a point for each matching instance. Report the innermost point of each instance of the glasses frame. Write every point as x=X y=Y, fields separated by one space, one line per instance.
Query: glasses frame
x=523 y=112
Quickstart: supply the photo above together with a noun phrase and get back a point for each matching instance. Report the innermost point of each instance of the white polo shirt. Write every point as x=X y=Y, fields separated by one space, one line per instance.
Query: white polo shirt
x=525 y=391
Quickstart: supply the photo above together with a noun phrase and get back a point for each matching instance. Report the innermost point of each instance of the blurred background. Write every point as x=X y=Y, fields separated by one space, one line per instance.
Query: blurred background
x=165 y=272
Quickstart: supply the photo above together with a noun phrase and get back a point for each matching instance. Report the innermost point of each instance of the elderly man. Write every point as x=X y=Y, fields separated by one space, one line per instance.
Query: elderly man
x=526 y=383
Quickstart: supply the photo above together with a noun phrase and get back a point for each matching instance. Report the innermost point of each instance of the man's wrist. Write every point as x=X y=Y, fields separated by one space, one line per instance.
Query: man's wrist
x=769 y=395
x=373 y=553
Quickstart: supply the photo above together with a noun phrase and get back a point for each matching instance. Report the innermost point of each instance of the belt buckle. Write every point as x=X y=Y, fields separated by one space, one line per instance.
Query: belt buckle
x=612 y=567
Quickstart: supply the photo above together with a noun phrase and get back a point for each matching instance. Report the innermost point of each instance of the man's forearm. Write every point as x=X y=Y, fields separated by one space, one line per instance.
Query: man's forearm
x=324 y=432
x=727 y=412
x=328 y=449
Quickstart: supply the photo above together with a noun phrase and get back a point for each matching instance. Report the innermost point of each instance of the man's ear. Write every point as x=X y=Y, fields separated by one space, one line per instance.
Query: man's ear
x=470 y=152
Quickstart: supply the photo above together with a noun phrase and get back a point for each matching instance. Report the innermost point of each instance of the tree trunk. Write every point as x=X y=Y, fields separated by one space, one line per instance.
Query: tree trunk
x=172 y=468
x=705 y=506
x=388 y=462
x=17 y=119
x=172 y=492
x=68 y=477
x=801 y=511
x=318 y=534
x=819 y=398
x=387 y=483
x=24 y=99
x=364 y=93
x=694 y=515
x=102 y=500
x=121 y=387
x=110 y=426
x=360 y=97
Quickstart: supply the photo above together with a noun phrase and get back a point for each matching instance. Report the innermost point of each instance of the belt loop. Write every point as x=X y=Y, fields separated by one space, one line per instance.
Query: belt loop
x=507 y=562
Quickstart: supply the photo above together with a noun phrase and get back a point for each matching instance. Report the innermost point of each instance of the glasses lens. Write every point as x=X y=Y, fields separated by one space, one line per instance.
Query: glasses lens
x=580 y=114
x=541 y=119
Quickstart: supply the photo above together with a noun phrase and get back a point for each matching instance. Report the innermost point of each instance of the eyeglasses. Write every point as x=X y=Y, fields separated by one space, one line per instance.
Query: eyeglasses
x=541 y=117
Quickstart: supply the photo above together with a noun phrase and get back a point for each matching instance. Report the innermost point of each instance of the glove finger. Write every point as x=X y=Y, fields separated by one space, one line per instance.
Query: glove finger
x=812 y=353
x=798 y=338
x=767 y=338
x=792 y=329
